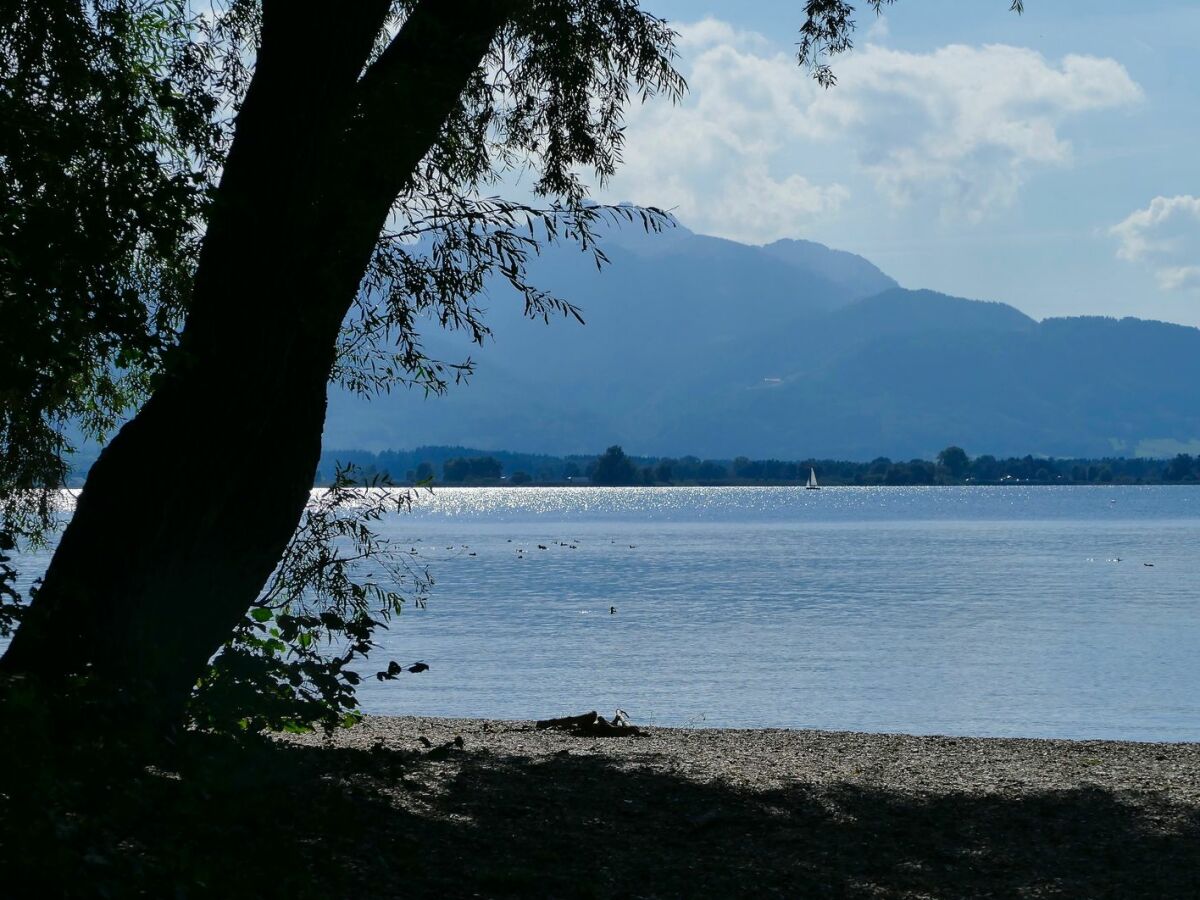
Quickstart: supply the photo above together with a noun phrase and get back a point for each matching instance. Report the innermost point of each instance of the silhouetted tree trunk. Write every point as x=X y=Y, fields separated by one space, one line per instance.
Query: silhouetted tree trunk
x=170 y=544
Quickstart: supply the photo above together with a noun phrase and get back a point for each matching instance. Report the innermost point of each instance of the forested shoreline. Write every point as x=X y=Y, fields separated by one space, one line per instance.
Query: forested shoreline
x=454 y=466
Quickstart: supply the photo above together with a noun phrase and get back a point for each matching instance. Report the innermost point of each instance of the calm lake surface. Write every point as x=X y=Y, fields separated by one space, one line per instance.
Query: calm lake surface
x=973 y=611
x=969 y=611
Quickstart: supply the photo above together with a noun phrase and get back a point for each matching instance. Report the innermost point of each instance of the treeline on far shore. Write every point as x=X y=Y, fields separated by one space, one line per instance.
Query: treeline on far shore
x=465 y=466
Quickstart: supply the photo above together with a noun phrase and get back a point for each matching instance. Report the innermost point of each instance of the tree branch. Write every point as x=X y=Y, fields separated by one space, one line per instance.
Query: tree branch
x=406 y=95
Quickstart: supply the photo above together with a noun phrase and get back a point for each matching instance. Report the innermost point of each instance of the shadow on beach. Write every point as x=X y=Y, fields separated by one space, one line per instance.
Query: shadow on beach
x=308 y=821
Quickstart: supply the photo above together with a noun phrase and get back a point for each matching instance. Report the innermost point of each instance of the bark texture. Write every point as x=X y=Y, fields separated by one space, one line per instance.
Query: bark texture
x=169 y=545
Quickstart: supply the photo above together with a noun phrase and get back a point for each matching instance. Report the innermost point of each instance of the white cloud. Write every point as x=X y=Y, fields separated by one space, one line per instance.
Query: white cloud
x=710 y=32
x=721 y=157
x=879 y=30
x=964 y=126
x=961 y=128
x=1165 y=236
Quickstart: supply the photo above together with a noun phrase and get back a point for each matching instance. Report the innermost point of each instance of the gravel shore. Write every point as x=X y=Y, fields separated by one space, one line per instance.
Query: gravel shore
x=517 y=811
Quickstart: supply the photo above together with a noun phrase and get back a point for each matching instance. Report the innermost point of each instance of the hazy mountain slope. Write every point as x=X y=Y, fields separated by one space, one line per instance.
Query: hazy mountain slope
x=1064 y=387
x=650 y=316
x=706 y=346
x=859 y=276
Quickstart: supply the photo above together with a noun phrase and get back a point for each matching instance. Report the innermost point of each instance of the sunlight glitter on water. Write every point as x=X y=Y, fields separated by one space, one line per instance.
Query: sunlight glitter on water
x=833 y=503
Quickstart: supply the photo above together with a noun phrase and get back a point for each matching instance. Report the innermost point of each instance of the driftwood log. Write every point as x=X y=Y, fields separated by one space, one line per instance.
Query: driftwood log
x=592 y=724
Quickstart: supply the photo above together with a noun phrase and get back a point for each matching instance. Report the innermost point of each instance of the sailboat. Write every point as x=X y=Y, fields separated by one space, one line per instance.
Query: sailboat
x=812 y=481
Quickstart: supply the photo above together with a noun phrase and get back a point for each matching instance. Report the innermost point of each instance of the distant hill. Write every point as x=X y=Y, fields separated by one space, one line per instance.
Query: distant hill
x=695 y=344
x=860 y=276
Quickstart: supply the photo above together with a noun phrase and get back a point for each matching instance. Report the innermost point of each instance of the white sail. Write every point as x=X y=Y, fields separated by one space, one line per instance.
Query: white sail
x=812 y=480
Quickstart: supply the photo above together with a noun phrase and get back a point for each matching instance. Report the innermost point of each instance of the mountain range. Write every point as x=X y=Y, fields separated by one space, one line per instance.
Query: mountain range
x=700 y=345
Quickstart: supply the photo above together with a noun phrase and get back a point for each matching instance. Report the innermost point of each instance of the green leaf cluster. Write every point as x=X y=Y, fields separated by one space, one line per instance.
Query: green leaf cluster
x=289 y=665
x=115 y=121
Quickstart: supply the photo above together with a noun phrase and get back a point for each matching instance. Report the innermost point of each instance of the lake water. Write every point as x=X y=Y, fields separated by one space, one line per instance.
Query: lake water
x=970 y=611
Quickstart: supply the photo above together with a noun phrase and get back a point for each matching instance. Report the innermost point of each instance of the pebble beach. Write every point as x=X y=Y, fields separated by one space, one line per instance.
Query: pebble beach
x=521 y=811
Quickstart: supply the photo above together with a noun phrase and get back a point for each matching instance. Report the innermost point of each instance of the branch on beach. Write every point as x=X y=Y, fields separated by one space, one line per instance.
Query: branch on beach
x=592 y=724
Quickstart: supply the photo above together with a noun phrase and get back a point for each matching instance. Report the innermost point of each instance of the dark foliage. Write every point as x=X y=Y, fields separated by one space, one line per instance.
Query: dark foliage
x=115 y=117
x=953 y=466
x=474 y=469
x=614 y=467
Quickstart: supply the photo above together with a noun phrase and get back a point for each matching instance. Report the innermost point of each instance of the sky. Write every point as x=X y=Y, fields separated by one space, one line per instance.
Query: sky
x=1046 y=160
